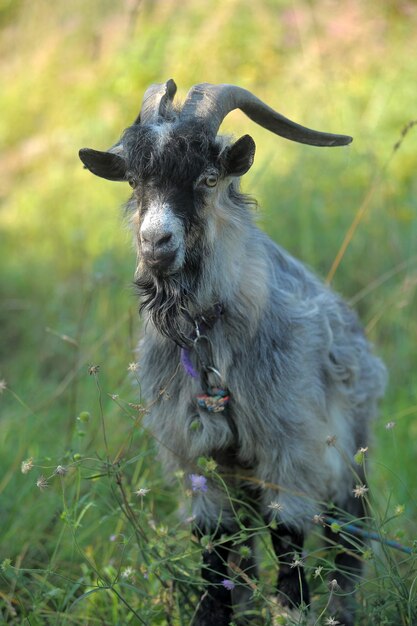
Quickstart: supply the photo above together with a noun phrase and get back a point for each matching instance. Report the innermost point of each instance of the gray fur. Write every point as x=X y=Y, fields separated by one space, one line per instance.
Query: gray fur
x=297 y=365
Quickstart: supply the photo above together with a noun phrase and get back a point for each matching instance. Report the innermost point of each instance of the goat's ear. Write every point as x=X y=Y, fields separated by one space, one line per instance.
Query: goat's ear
x=104 y=164
x=239 y=157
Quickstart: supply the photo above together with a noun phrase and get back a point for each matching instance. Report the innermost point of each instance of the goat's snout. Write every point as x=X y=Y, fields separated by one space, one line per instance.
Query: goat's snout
x=158 y=249
x=160 y=236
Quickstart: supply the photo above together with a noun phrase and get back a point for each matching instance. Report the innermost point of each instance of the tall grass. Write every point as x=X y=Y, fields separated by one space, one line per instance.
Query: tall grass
x=86 y=549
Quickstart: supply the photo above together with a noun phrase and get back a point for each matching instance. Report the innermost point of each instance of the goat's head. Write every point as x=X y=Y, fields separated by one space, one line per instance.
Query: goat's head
x=182 y=172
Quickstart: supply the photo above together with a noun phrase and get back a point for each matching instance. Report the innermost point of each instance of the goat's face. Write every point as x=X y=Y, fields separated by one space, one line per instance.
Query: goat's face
x=183 y=174
x=179 y=174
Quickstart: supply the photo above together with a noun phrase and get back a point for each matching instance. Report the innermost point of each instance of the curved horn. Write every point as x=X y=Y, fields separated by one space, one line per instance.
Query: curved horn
x=211 y=103
x=154 y=104
x=155 y=101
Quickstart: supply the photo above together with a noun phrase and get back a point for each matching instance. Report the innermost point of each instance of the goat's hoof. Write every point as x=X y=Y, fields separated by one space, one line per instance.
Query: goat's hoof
x=287 y=616
x=212 y=613
x=340 y=610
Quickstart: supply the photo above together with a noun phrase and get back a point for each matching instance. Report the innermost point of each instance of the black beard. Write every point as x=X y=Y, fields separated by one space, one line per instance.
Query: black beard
x=167 y=299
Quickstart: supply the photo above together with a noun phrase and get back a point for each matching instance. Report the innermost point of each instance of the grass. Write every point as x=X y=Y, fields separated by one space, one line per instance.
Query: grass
x=73 y=75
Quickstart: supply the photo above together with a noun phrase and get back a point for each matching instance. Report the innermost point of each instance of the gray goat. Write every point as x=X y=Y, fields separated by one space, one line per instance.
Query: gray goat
x=246 y=356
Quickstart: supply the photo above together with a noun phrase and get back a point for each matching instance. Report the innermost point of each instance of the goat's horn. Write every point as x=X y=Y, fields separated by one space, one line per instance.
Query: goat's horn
x=211 y=103
x=155 y=104
x=155 y=101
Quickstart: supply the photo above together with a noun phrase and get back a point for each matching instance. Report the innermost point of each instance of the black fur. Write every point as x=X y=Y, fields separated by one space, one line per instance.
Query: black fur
x=292 y=586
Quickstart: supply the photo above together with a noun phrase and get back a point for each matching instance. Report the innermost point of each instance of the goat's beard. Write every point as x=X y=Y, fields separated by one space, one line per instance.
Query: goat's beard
x=167 y=300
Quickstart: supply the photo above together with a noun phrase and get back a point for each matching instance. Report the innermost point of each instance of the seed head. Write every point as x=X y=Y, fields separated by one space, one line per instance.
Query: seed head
x=331 y=440
x=61 y=470
x=42 y=483
x=26 y=465
x=333 y=585
x=93 y=370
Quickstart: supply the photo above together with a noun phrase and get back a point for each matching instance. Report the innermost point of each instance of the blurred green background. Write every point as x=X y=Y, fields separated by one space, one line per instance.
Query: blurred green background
x=72 y=75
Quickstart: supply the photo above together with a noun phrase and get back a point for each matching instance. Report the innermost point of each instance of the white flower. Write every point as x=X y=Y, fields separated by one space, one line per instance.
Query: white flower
x=276 y=506
x=142 y=492
x=318 y=519
x=331 y=621
x=3 y=385
x=360 y=491
x=389 y=425
x=133 y=367
x=297 y=562
x=128 y=573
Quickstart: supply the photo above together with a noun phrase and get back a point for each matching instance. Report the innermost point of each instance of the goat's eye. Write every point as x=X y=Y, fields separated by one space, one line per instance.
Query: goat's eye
x=211 y=180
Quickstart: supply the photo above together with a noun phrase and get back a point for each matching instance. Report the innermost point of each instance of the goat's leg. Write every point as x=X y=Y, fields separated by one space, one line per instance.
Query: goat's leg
x=292 y=586
x=348 y=569
x=215 y=606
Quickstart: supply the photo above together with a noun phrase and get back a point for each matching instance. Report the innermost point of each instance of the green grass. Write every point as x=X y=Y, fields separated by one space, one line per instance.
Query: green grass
x=73 y=75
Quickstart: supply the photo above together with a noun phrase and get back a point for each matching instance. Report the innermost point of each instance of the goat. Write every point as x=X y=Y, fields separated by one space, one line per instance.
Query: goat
x=262 y=366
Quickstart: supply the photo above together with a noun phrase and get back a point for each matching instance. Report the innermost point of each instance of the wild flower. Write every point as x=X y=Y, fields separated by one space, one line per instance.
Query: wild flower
x=331 y=621
x=61 y=470
x=360 y=455
x=198 y=483
x=331 y=440
x=133 y=367
x=93 y=369
x=26 y=466
x=360 y=491
x=142 y=492
x=334 y=585
x=3 y=385
x=42 y=483
x=228 y=584
x=389 y=425
x=128 y=573
x=245 y=552
x=318 y=571
x=318 y=519
x=6 y=563
x=114 y=396
x=297 y=561
x=276 y=506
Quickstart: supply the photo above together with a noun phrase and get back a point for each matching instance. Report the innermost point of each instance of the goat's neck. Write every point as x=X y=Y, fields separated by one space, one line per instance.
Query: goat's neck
x=234 y=273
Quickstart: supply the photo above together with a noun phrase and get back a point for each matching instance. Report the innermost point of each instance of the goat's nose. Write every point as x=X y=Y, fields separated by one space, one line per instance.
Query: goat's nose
x=156 y=240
